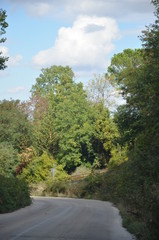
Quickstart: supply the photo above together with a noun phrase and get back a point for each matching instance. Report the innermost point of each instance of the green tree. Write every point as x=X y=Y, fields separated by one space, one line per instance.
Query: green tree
x=137 y=73
x=8 y=159
x=62 y=131
x=122 y=69
x=138 y=122
x=38 y=169
x=105 y=133
x=3 y=26
x=146 y=149
x=126 y=68
x=15 y=127
x=51 y=78
x=72 y=125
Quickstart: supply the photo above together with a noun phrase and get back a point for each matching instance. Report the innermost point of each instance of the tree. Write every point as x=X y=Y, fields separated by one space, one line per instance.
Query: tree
x=51 y=78
x=122 y=69
x=137 y=73
x=101 y=90
x=38 y=169
x=150 y=43
x=72 y=126
x=15 y=127
x=105 y=133
x=8 y=159
x=138 y=122
x=126 y=68
x=63 y=131
x=3 y=25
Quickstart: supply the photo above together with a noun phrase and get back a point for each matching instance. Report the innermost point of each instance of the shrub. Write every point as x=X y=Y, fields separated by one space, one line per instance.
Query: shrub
x=8 y=159
x=14 y=194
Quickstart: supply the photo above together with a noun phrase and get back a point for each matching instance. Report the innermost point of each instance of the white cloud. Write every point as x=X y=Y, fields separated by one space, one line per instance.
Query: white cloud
x=85 y=45
x=16 y=89
x=13 y=60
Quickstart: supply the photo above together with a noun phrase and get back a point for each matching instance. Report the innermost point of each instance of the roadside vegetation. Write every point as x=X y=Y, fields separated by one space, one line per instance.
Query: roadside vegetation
x=14 y=194
x=94 y=148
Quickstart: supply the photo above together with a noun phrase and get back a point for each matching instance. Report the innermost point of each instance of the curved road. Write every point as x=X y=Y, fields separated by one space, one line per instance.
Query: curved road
x=64 y=219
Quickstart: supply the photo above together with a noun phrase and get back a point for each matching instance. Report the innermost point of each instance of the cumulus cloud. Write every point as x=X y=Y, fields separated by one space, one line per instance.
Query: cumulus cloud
x=85 y=45
x=13 y=60
x=16 y=89
x=117 y=9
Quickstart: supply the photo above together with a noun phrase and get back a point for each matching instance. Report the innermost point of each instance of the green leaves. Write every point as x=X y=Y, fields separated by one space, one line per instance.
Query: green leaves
x=51 y=79
x=3 y=25
x=136 y=182
x=39 y=169
x=123 y=67
x=14 y=194
x=8 y=159
x=71 y=126
x=14 y=125
x=105 y=133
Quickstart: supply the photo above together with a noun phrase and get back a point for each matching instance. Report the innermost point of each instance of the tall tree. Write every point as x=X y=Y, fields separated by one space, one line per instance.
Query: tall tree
x=63 y=130
x=3 y=26
x=14 y=125
x=51 y=78
x=150 y=43
x=122 y=69
x=137 y=73
x=105 y=132
x=101 y=90
x=8 y=159
x=72 y=126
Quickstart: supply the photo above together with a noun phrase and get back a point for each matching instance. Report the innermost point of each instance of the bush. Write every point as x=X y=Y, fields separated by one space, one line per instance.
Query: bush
x=118 y=156
x=14 y=194
x=8 y=159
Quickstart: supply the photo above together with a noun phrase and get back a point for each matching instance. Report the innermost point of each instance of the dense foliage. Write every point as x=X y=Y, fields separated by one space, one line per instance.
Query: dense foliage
x=3 y=26
x=72 y=129
x=137 y=73
x=15 y=137
x=15 y=127
x=8 y=159
x=14 y=194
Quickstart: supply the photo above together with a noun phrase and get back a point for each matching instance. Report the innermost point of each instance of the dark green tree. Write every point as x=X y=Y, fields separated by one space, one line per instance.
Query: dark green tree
x=3 y=26
x=105 y=133
x=138 y=119
x=8 y=159
x=122 y=69
x=15 y=127
x=136 y=72
x=138 y=122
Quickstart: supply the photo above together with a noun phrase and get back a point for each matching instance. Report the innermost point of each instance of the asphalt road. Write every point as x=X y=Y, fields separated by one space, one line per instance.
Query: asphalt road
x=64 y=219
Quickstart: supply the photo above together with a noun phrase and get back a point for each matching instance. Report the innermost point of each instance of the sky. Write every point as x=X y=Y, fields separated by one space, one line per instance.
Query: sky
x=83 y=34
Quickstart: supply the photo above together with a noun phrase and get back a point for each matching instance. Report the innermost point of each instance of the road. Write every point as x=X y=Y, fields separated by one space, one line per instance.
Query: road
x=64 y=219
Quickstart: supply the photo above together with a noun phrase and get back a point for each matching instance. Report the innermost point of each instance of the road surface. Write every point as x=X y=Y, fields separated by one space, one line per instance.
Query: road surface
x=64 y=219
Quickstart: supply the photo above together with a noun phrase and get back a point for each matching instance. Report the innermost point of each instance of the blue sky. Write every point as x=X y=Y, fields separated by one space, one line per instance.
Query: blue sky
x=83 y=34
